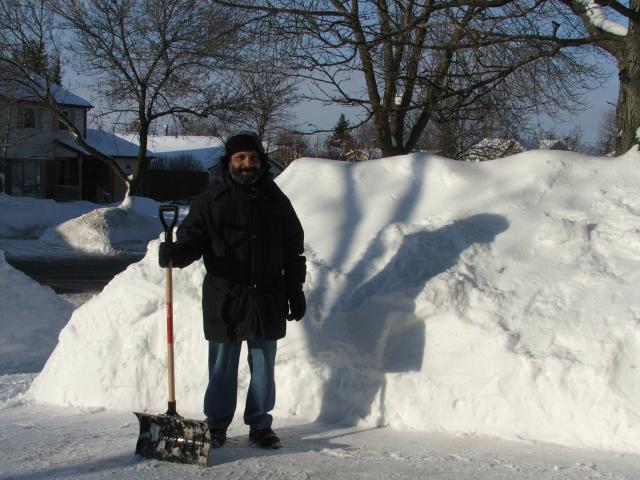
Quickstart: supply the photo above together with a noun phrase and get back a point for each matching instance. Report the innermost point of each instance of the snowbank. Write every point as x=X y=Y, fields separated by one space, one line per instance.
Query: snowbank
x=31 y=316
x=496 y=298
x=24 y=217
x=123 y=228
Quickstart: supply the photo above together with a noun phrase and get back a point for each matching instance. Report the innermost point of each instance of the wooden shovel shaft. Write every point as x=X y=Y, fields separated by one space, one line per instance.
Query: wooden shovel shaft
x=170 y=363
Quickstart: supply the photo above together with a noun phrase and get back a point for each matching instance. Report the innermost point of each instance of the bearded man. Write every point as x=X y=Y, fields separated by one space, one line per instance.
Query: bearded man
x=252 y=244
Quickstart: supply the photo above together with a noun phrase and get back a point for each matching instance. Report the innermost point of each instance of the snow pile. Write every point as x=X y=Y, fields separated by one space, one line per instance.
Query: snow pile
x=124 y=228
x=496 y=298
x=24 y=217
x=31 y=316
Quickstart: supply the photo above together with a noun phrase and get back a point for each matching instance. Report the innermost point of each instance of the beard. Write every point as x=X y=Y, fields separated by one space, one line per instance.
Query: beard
x=245 y=176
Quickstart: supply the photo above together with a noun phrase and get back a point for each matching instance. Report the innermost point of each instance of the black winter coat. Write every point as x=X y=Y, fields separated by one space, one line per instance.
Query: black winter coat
x=252 y=242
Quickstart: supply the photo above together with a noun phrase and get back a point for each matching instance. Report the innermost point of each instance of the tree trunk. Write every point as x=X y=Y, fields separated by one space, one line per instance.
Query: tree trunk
x=6 y=138
x=141 y=166
x=628 y=108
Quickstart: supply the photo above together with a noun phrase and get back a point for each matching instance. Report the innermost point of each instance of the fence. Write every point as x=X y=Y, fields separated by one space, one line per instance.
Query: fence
x=167 y=185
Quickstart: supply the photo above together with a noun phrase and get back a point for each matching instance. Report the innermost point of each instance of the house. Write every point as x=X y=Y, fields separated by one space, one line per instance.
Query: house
x=99 y=182
x=41 y=159
x=204 y=150
x=551 y=144
x=35 y=153
x=492 y=148
x=361 y=155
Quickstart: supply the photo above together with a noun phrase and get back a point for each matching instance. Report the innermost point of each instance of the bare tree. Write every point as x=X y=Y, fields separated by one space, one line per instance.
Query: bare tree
x=289 y=145
x=415 y=56
x=607 y=133
x=272 y=94
x=453 y=130
x=155 y=58
x=600 y=19
x=365 y=140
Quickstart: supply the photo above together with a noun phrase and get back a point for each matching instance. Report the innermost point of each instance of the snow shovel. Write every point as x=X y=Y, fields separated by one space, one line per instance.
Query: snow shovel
x=169 y=436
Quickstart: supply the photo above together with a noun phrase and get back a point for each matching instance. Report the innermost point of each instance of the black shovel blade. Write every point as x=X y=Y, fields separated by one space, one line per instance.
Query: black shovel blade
x=173 y=438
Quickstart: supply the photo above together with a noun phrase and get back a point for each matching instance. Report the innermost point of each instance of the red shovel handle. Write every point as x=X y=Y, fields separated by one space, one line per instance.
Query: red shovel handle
x=168 y=231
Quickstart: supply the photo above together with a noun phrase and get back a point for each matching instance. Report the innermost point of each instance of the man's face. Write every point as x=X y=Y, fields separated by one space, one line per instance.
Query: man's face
x=245 y=167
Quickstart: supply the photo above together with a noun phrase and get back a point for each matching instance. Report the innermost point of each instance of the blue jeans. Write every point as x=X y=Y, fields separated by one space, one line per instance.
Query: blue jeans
x=222 y=391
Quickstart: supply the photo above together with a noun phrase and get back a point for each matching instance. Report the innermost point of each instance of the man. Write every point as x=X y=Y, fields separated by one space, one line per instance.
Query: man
x=252 y=243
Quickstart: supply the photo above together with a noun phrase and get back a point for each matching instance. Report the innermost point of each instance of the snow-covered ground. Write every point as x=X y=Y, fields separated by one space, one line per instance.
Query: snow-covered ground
x=490 y=308
x=31 y=318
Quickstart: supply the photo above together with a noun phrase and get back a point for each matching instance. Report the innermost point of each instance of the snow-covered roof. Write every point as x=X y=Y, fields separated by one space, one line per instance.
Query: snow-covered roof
x=23 y=91
x=112 y=144
x=206 y=150
x=551 y=144
x=489 y=148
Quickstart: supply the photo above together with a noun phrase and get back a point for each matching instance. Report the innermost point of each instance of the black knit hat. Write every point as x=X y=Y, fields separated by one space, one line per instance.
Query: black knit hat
x=243 y=142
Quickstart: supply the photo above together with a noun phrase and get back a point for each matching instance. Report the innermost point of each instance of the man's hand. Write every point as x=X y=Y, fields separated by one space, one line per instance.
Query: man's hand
x=166 y=254
x=297 y=304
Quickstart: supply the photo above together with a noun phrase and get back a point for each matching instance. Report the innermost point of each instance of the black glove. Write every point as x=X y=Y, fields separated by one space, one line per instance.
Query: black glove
x=297 y=304
x=166 y=254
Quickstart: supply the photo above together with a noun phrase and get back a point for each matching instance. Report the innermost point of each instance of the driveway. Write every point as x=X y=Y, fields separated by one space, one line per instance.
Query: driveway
x=75 y=274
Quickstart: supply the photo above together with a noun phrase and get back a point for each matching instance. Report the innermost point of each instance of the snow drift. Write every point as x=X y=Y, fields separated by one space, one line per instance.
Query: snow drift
x=24 y=217
x=123 y=228
x=31 y=316
x=495 y=298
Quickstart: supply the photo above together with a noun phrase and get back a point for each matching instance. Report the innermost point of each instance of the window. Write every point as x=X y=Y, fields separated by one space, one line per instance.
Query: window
x=26 y=177
x=29 y=118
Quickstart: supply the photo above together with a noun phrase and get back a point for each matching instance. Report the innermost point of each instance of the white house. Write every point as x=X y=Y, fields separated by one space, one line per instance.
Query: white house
x=41 y=159
x=34 y=149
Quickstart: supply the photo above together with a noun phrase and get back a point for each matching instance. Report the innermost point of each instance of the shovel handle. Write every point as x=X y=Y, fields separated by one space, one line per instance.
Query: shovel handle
x=168 y=226
x=168 y=232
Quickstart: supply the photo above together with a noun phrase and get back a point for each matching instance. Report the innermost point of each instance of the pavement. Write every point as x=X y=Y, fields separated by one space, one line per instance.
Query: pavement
x=67 y=271
x=73 y=274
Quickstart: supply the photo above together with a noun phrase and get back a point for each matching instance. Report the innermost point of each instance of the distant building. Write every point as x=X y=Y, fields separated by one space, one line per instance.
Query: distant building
x=205 y=150
x=552 y=144
x=492 y=148
x=362 y=155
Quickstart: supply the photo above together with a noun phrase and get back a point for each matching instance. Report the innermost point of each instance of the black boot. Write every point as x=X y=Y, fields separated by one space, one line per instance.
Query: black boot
x=218 y=437
x=264 y=438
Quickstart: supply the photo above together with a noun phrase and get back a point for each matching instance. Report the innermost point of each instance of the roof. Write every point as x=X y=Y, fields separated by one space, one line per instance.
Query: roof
x=206 y=150
x=105 y=142
x=112 y=144
x=489 y=148
x=551 y=144
x=60 y=94
x=69 y=144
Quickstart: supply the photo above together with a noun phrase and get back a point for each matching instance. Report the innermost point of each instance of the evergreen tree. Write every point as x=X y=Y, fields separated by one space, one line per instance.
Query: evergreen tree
x=340 y=141
x=35 y=59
